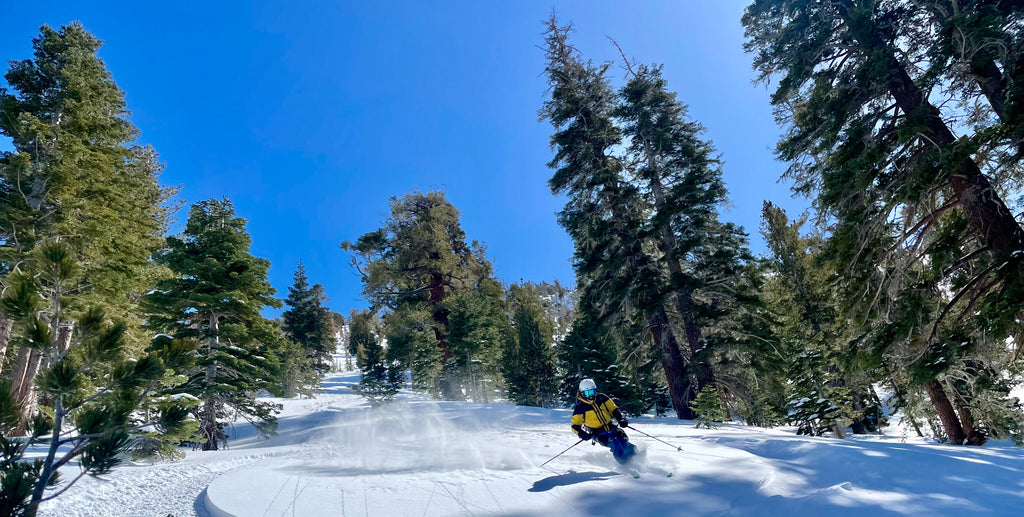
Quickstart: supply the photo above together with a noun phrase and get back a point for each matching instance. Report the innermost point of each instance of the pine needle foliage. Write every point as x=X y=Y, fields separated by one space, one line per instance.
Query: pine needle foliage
x=528 y=363
x=902 y=122
x=101 y=398
x=412 y=268
x=708 y=407
x=215 y=297
x=308 y=322
x=77 y=175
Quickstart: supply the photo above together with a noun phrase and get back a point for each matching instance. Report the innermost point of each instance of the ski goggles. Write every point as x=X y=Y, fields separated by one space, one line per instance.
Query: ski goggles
x=589 y=393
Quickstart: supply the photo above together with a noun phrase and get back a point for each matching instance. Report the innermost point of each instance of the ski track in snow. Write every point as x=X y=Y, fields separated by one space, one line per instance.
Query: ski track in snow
x=144 y=491
x=417 y=457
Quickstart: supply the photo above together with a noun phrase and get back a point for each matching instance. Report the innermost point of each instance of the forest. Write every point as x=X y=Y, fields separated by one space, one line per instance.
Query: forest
x=901 y=290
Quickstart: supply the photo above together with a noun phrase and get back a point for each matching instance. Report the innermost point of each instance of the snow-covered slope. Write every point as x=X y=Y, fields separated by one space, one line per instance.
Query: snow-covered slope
x=337 y=456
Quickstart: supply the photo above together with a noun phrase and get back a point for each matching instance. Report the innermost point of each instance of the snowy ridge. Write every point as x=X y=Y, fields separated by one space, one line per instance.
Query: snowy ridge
x=335 y=455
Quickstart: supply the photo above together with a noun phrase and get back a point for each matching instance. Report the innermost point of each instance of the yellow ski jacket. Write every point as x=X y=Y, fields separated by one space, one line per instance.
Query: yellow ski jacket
x=596 y=415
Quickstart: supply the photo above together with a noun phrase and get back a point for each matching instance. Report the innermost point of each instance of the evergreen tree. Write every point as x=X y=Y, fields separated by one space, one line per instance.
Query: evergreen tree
x=591 y=351
x=363 y=332
x=215 y=297
x=382 y=377
x=478 y=325
x=685 y=185
x=75 y=174
x=291 y=373
x=412 y=344
x=830 y=379
x=604 y=214
x=712 y=275
x=708 y=408
x=559 y=304
x=94 y=387
x=931 y=255
x=308 y=322
x=528 y=363
x=411 y=268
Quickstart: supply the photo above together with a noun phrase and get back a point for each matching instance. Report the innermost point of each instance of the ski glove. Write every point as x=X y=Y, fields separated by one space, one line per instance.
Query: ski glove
x=584 y=435
x=623 y=422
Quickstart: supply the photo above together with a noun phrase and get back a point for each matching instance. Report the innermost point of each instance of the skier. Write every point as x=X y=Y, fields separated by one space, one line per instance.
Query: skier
x=592 y=419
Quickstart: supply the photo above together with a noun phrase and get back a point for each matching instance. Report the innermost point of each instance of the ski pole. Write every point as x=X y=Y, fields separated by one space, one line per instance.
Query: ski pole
x=654 y=438
x=563 y=452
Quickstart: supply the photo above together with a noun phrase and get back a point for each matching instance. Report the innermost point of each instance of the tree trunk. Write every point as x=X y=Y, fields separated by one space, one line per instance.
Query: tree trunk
x=683 y=296
x=974 y=437
x=448 y=384
x=21 y=366
x=210 y=430
x=672 y=361
x=208 y=424
x=48 y=470
x=917 y=428
x=949 y=419
x=986 y=73
x=838 y=431
x=987 y=214
x=26 y=390
x=5 y=337
x=64 y=334
x=858 y=426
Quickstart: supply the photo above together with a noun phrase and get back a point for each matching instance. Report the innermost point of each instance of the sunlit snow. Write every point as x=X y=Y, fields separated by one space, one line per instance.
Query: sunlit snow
x=335 y=455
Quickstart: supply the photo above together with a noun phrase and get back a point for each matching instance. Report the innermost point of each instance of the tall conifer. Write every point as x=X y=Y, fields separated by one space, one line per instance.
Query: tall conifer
x=605 y=213
x=216 y=296
x=932 y=257
x=711 y=279
x=75 y=173
x=479 y=323
x=411 y=267
x=529 y=359
x=76 y=176
x=308 y=322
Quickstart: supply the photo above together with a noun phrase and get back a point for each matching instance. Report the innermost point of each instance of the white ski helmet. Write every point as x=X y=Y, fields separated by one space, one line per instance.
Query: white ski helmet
x=588 y=388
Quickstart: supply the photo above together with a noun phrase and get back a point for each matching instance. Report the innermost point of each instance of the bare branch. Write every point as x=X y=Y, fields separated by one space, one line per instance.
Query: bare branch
x=629 y=67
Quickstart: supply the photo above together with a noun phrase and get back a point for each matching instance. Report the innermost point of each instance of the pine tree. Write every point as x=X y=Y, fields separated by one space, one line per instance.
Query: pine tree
x=75 y=174
x=411 y=268
x=712 y=278
x=604 y=214
x=478 y=324
x=291 y=373
x=308 y=322
x=829 y=378
x=215 y=297
x=708 y=408
x=685 y=183
x=931 y=254
x=364 y=331
x=591 y=351
x=559 y=304
x=528 y=363
x=94 y=386
x=382 y=377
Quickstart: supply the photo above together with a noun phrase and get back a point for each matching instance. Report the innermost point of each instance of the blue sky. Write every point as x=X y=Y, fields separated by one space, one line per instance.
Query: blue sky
x=309 y=116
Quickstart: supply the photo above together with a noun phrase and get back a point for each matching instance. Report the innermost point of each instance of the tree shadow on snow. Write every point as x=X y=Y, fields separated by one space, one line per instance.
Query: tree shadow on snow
x=927 y=478
x=570 y=478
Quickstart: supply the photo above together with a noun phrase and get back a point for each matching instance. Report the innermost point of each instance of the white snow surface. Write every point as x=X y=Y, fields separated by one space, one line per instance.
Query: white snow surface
x=336 y=455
